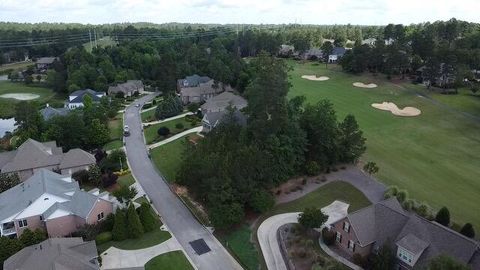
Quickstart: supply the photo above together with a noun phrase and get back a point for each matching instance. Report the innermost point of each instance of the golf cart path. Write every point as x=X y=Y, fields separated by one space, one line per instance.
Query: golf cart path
x=267 y=232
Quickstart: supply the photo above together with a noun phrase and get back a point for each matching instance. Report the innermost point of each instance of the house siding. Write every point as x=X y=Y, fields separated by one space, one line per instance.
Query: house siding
x=349 y=236
x=33 y=223
x=100 y=206
x=63 y=226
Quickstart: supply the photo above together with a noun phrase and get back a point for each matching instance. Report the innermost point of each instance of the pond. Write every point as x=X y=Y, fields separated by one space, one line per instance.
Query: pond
x=6 y=125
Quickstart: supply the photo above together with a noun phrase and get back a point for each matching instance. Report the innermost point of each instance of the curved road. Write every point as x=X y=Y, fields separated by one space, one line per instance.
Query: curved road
x=176 y=216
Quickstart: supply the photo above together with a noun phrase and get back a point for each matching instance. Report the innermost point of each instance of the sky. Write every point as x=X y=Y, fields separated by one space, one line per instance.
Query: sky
x=362 y=12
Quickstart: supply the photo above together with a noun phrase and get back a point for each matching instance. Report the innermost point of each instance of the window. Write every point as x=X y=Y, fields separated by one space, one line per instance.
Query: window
x=346 y=226
x=41 y=217
x=100 y=216
x=405 y=256
x=351 y=245
x=22 y=223
x=338 y=237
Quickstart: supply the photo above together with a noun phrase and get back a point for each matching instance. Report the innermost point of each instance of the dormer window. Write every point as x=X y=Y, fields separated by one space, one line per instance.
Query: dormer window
x=346 y=226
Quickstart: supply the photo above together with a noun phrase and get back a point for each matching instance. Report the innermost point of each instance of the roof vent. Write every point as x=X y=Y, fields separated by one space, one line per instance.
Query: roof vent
x=46 y=199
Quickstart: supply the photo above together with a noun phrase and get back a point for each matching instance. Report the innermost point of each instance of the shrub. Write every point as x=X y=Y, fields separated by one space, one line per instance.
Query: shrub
x=409 y=204
x=154 y=102
x=468 y=230
x=147 y=105
x=304 y=181
x=359 y=260
x=402 y=195
x=119 y=95
x=179 y=126
x=443 y=216
x=301 y=253
x=312 y=168
x=109 y=179
x=262 y=201
x=103 y=238
x=312 y=218
x=371 y=167
x=163 y=131
x=146 y=214
x=391 y=191
x=328 y=236
x=193 y=107
x=135 y=228
x=422 y=210
x=119 y=231
x=168 y=107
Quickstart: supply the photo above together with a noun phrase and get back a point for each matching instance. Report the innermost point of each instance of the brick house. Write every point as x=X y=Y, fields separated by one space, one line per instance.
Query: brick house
x=51 y=202
x=197 y=89
x=414 y=239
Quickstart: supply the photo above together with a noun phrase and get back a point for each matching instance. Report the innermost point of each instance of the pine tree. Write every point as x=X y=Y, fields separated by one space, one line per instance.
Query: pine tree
x=468 y=230
x=135 y=228
x=119 y=231
x=443 y=216
x=147 y=217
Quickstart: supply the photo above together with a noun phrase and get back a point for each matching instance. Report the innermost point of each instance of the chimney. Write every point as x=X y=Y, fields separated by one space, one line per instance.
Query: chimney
x=47 y=105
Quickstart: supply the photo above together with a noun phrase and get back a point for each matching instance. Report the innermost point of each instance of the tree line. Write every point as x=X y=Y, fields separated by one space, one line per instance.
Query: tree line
x=234 y=168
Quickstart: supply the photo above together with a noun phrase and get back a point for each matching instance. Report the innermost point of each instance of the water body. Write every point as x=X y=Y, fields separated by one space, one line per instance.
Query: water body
x=6 y=125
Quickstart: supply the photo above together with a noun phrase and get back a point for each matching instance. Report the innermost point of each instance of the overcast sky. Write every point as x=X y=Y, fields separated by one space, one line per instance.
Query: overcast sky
x=365 y=12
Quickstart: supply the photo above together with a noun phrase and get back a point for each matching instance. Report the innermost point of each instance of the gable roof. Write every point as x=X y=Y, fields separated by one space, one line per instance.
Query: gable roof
x=223 y=100
x=79 y=94
x=76 y=157
x=216 y=118
x=193 y=81
x=340 y=51
x=56 y=253
x=33 y=154
x=386 y=222
x=204 y=89
x=48 y=112
x=127 y=87
x=45 y=60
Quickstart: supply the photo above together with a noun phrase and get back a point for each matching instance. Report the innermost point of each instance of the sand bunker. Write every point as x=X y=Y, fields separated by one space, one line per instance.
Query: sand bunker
x=362 y=85
x=20 y=96
x=315 y=78
x=392 y=107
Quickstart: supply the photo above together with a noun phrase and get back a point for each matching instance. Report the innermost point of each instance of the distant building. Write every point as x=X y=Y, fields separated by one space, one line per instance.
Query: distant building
x=197 y=89
x=369 y=41
x=75 y=99
x=55 y=254
x=286 y=50
x=48 y=112
x=45 y=63
x=312 y=54
x=336 y=54
x=128 y=88
x=414 y=240
x=32 y=156
x=222 y=101
x=52 y=202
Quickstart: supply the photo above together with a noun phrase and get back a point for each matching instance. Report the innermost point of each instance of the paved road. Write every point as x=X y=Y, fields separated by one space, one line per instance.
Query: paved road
x=175 y=215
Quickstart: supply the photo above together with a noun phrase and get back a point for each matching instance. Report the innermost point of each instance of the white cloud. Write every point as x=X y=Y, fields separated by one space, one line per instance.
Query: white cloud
x=239 y=11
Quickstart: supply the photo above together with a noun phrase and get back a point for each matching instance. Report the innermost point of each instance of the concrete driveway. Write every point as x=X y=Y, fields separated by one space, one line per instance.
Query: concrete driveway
x=267 y=232
x=174 y=213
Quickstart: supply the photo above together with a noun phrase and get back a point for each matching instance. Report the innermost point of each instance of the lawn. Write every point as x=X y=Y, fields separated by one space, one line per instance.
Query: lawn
x=435 y=156
x=115 y=126
x=174 y=260
x=126 y=180
x=168 y=157
x=148 y=116
x=238 y=241
x=151 y=135
x=148 y=239
x=15 y=66
x=7 y=105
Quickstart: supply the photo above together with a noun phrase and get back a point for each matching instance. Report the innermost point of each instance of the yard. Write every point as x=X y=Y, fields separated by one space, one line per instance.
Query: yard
x=167 y=158
x=238 y=241
x=174 y=260
x=115 y=126
x=151 y=135
x=15 y=66
x=7 y=105
x=435 y=156
x=148 y=116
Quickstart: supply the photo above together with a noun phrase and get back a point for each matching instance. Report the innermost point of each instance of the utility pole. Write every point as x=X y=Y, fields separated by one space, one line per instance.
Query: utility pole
x=90 y=37
x=95 y=36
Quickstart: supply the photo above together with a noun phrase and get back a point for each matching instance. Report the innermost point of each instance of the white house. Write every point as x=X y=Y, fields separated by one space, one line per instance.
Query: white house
x=75 y=100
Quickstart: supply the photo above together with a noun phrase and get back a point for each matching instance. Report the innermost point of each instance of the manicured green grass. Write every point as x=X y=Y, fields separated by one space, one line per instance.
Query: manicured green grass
x=434 y=156
x=148 y=116
x=465 y=100
x=238 y=241
x=115 y=126
x=7 y=105
x=151 y=135
x=324 y=196
x=148 y=239
x=174 y=260
x=168 y=157
x=141 y=200
x=126 y=180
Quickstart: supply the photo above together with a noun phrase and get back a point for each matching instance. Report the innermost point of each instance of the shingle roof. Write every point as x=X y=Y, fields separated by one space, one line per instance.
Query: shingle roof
x=205 y=88
x=76 y=157
x=49 y=112
x=216 y=118
x=128 y=87
x=223 y=100
x=340 y=51
x=387 y=222
x=79 y=94
x=193 y=81
x=33 y=154
x=56 y=254
x=45 y=60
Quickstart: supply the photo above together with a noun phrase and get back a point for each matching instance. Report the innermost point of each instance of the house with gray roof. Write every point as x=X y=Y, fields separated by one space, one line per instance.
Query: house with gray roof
x=211 y=120
x=197 y=89
x=56 y=253
x=75 y=99
x=32 y=156
x=222 y=101
x=48 y=112
x=52 y=202
x=336 y=54
x=414 y=240
x=128 y=88
x=44 y=63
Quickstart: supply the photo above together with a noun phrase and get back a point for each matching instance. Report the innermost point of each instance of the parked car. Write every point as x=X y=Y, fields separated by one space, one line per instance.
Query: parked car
x=126 y=131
